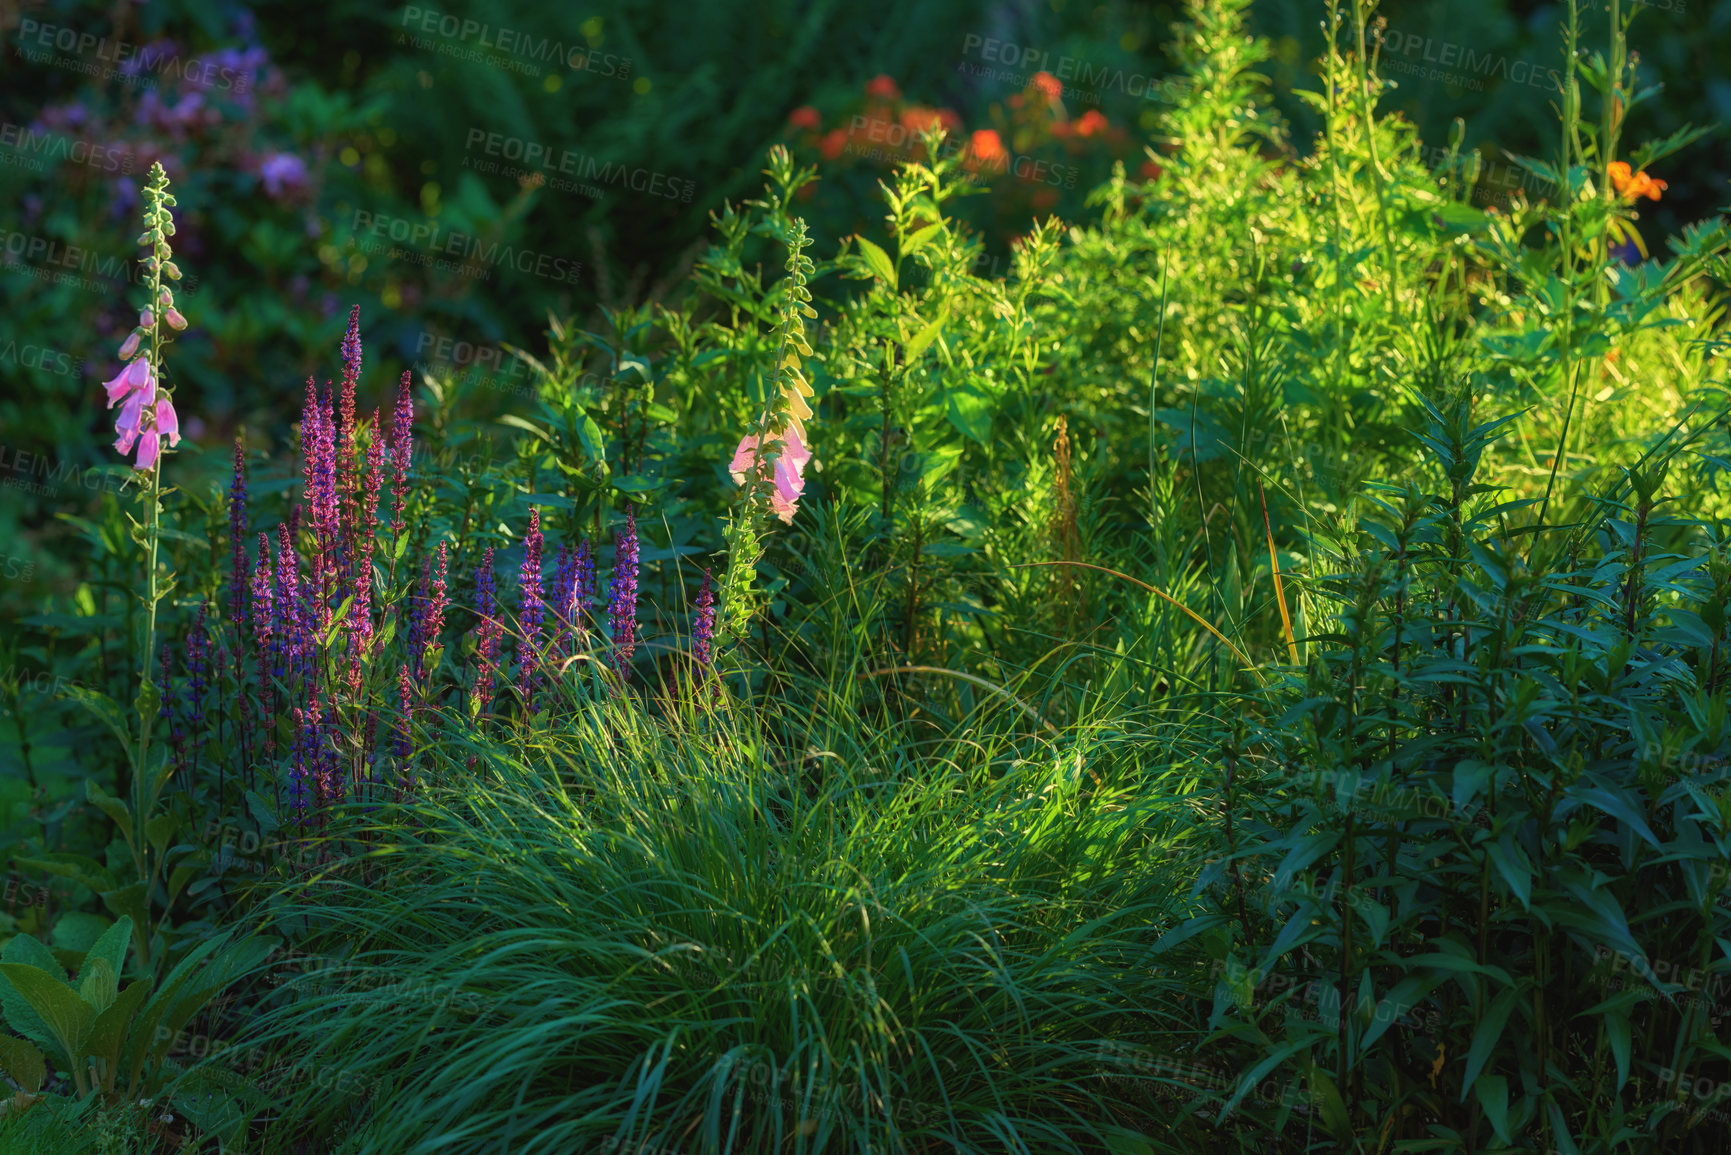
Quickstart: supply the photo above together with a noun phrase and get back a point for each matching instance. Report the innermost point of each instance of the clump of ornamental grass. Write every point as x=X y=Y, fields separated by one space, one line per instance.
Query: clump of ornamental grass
x=788 y=932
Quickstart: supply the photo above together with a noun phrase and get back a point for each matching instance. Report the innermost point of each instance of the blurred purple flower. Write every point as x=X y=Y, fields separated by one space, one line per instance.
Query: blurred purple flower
x=284 y=175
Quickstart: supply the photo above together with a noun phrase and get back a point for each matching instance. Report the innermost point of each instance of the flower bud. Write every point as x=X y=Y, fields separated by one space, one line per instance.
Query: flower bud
x=147 y=236
x=146 y=319
x=167 y=297
x=130 y=346
x=172 y=270
x=175 y=320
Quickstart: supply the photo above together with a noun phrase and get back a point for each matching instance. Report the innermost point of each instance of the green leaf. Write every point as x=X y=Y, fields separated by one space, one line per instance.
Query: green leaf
x=1120 y=1140
x=1493 y=1093
x=589 y=436
x=159 y=830
x=23 y=1063
x=878 y=261
x=105 y=708
x=80 y=868
x=99 y=984
x=68 y=1016
x=1512 y=864
x=77 y=931
x=919 y=238
x=109 y=1032
x=970 y=411
x=923 y=339
x=1486 y=1037
x=110 y=948
x=130 y=902
x=108 y=804
x=524 y=423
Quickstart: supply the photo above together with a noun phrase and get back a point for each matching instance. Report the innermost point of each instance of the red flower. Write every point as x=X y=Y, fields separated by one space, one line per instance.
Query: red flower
x=1050 y=86
x=1150 y=170
x=985 y=145
x=833 y=143
x=805 y=116
x=882 y=87
x=1091 y=122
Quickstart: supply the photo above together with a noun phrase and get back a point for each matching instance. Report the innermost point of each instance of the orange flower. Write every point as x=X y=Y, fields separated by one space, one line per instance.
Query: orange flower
x=1050 y=86
x=1150 y=170
x=805 y=116
x=952 y=120
x=985 y=145
x=832 y=144
x=918 y=118
x=1091 y=122
x=1635 y=186
x=882 y=87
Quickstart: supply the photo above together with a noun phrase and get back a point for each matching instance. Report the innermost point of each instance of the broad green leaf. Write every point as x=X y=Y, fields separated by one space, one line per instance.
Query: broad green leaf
x=23 y=1063
x=1512 y=865
x=105 y=708
x=68 y=1016
x=1487 y=1036
x=110 y=948
x=1493 y=1093
x=99 y=985
x=878 y=261
x=130 y=903
x=80 y=868
x=970 y=411
x=919 y=238
x=109 y=805
x=921 y=340
x=159 y=830
x=109 y=1033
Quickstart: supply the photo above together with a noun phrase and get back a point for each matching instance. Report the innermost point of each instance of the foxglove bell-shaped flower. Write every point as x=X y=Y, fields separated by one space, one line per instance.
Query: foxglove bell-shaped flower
x=789 y=468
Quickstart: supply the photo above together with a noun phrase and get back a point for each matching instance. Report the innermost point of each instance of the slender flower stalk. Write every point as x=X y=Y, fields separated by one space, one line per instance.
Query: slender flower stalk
x=529 y=613
x=703 y=632
x=238 y=583
x=487 y=635
x=344 y=442
x=402 y=456
x=148 y=417
x=622 y=597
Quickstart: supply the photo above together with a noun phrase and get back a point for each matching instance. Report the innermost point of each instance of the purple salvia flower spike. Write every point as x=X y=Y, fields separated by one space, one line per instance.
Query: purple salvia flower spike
x=238 y=583
x=622 y=596
x=529 y=615
x=486 y=634
x=703 y=629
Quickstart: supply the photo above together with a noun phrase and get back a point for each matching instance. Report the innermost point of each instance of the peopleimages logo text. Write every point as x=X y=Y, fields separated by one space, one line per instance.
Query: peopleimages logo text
x=514 y=42
x=37 y=38
x=580 y=165
x=425 y=235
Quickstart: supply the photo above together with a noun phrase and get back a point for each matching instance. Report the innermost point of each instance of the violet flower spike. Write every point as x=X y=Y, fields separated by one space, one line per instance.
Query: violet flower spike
x=405 y=712
x=402 y=449
x=703 y=629
x=529 y=614
x=622 y=597
x=486 y=634
x=238 y=581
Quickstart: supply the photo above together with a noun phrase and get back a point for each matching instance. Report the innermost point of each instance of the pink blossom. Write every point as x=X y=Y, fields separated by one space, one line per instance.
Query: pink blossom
x=130 y=346
x=167 y=423
x=135 y=378
x=789 y=469
x=148 y=446
x=174 y=319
